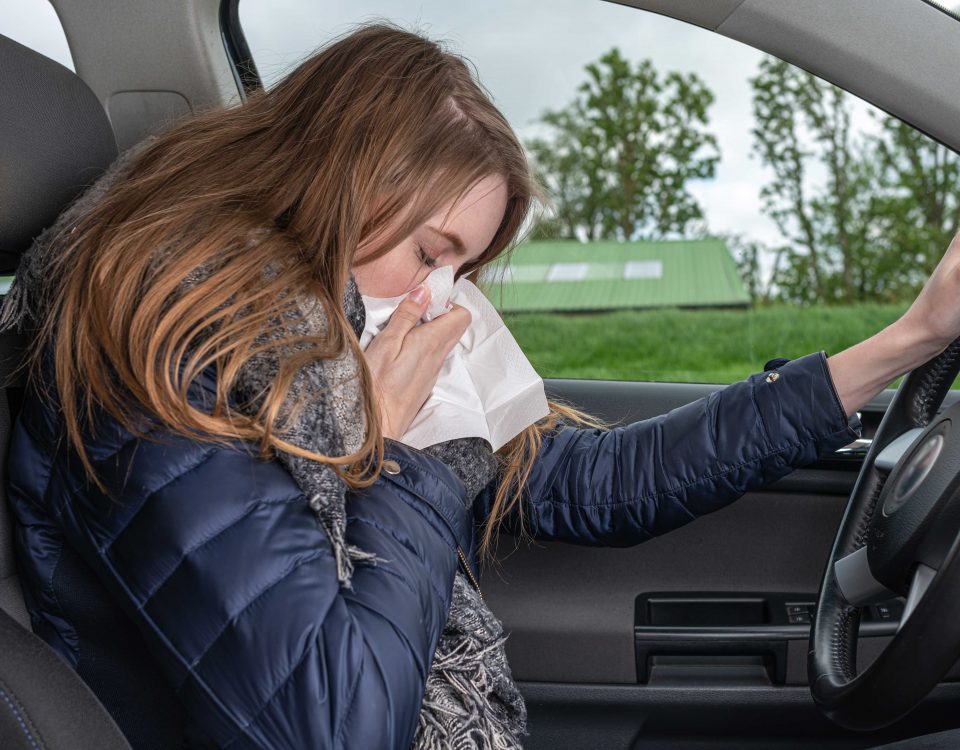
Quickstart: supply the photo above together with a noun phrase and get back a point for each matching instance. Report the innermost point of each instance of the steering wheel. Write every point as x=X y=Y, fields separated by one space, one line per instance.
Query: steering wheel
x=898 y=537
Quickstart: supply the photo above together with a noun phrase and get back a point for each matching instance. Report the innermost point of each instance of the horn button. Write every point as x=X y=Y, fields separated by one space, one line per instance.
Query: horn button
x=919 y=507
x=915 y=470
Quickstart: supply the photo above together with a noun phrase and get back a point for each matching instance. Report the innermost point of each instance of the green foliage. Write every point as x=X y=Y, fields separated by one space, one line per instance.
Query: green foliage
x=698 y=346
x=621 y=153
x=918 y=211
x=801 y=120
x=863 y=218
x=746 y=254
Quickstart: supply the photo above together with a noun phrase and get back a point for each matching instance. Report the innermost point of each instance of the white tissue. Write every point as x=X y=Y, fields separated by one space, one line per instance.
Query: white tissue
x=486 y=386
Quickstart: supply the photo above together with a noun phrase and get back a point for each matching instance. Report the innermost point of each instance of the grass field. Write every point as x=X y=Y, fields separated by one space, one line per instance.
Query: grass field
x=694 y=346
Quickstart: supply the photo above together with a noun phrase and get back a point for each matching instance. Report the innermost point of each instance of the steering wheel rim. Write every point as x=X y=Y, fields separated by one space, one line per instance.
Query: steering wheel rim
x=896 y=511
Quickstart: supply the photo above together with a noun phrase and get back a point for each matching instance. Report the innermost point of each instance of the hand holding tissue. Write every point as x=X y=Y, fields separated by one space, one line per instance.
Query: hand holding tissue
x=486 y=386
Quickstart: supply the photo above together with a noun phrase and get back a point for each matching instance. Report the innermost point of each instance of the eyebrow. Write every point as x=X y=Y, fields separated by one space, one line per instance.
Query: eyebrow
x=454 y=239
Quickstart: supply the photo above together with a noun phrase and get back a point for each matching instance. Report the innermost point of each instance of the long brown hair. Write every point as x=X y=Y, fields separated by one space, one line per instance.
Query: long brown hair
x=286 y=181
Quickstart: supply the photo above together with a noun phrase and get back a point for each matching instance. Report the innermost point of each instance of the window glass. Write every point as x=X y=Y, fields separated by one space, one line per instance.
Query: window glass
x=726 y=209
x=34 y=23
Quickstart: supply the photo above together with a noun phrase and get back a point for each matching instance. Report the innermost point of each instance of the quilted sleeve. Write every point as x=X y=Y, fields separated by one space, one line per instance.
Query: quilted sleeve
x=619 y=487
x=221 y=564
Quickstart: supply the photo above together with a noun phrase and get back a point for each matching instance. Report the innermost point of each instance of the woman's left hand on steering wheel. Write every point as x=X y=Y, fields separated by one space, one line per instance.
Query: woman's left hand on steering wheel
x=934 y=315
x=920 y=334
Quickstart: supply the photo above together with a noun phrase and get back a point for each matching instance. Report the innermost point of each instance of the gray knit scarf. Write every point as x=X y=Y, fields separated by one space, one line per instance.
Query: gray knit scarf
x=470 y=699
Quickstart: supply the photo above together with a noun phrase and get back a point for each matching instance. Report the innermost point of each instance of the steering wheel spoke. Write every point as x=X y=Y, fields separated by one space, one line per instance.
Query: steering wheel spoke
x=922 y=578
x=890 y=456
x=856 y=580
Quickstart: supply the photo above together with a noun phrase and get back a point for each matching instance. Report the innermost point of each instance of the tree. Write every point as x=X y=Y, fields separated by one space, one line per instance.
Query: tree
x=621 y=154
x=574 y=187
x=747 y=254
x=919 y=211
x=865 y=218
x=802 y=125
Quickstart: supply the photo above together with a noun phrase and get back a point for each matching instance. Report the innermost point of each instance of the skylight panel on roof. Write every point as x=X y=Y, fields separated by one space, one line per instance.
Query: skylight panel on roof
x=497 y=273
x=643 y=269
x=567 y=271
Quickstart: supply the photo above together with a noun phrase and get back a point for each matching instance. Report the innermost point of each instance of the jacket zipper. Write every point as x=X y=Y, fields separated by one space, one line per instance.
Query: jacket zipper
x=463 y=557
x=466 y=567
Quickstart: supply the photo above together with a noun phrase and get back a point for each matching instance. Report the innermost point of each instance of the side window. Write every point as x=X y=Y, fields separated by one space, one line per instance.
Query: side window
x=34 y=24
x=709 y=211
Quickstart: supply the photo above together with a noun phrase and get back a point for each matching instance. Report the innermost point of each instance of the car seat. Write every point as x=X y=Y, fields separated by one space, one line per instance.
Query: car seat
x=55 y=139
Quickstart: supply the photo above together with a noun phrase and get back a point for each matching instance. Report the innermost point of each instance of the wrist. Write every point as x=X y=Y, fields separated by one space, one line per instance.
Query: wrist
x=917 y=342
x=863 y=370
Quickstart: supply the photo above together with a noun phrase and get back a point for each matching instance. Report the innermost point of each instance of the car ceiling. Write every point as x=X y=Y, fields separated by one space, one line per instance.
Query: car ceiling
x=899 y=55
x=174 y=62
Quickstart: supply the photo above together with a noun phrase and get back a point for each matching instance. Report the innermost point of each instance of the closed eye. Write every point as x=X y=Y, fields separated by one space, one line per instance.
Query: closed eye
x=429 y=260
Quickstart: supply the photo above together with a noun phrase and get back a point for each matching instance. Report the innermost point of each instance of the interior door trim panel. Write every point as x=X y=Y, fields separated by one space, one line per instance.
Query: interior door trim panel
x=773 y=539
x=641 y=717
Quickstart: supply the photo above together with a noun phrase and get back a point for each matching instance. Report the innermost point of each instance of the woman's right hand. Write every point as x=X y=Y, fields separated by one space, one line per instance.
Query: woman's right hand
x=405 y=359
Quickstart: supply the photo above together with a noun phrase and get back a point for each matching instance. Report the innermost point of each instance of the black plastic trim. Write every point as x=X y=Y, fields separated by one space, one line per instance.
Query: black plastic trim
x=245 y=70
x=715 y=627
x=574 y=716
x=765 y=632
x=943 y=9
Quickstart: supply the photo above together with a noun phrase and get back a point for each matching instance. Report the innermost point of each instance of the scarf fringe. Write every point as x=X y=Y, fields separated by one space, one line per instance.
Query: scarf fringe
x=334 y=524
x=461 y=710
x=15 y=307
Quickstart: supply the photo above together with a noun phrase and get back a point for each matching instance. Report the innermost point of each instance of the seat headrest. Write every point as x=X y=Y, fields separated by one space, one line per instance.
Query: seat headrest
x=55 y=139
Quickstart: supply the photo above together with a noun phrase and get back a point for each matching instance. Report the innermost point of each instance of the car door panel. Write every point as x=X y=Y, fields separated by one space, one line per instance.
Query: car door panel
x=570 y=611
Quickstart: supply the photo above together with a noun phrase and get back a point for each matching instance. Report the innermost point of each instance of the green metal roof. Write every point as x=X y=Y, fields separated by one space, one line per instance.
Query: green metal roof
x=595 y=276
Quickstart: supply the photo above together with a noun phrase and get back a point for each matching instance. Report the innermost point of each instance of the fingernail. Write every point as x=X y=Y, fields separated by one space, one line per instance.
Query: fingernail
x=419 y=295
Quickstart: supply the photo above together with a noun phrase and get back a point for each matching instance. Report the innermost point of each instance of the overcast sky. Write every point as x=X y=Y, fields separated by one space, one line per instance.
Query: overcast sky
x=530 y=54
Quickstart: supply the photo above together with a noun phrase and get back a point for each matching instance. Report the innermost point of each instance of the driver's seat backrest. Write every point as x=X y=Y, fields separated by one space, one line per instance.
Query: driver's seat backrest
x=12 y=347
x=55 y=139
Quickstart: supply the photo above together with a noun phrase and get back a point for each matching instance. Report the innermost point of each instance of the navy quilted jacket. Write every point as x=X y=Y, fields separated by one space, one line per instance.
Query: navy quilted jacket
x=203 y=606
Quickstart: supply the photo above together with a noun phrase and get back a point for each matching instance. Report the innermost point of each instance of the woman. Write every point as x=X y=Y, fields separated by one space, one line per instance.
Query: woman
x=203 y=300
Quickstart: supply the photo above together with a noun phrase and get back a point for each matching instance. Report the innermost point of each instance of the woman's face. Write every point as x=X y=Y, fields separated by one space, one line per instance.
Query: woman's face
x=458 y=233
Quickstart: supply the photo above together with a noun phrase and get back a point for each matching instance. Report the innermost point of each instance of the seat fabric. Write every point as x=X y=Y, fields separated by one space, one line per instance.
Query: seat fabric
x=56 y=140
